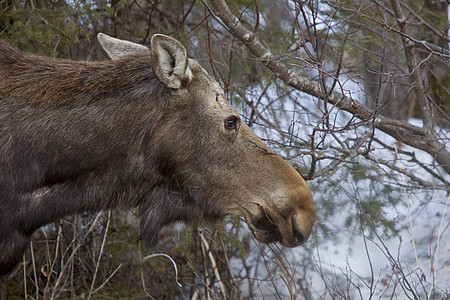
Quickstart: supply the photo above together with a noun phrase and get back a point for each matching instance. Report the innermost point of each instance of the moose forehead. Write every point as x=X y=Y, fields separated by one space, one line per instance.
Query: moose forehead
x=202 y=78
x=204 y=86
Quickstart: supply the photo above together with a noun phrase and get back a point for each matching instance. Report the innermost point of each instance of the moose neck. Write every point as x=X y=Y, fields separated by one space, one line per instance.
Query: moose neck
x=83 y=127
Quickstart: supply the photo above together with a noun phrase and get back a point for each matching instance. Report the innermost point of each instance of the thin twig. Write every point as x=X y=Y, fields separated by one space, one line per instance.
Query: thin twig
x=437 y=245
x=100 y=255
x=214 y=265
x=75 y=249
x=36 y=283
x=107 y=279
x=171 y=260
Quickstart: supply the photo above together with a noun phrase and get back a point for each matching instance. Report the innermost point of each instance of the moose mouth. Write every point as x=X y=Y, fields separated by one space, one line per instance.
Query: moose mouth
x=266 y=230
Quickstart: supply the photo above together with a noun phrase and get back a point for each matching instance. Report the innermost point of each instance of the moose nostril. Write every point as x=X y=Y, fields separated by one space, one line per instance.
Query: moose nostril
x=299 y=238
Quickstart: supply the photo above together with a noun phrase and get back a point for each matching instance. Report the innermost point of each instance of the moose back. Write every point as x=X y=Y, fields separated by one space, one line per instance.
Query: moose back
x=149 y=129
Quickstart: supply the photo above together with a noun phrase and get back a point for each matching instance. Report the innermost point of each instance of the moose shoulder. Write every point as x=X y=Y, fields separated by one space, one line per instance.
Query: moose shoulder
x=149 y=129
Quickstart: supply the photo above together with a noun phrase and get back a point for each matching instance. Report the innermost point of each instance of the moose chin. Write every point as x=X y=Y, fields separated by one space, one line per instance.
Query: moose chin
x=148 y=130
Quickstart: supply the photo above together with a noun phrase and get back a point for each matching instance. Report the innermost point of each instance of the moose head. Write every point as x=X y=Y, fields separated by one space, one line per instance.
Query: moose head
x=211 y=160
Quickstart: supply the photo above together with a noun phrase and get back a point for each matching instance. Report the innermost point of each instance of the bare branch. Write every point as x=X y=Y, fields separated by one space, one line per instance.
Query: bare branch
x=414 y=69
x=424 y=139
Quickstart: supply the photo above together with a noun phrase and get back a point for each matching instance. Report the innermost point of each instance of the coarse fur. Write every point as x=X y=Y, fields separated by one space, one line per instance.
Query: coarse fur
x=148 y=130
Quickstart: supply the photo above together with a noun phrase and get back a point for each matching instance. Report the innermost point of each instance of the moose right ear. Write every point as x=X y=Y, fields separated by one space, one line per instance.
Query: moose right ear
x=170 y=62
x=116 y=48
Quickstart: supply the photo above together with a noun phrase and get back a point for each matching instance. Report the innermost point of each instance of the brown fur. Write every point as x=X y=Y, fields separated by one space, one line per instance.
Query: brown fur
x=86 y=136
x=41 y=79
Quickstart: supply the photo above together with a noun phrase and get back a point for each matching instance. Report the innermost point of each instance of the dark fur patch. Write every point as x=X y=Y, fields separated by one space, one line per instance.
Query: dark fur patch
x=74 y=137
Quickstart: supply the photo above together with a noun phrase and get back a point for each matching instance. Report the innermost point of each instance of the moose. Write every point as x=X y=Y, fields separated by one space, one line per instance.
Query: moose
x=148 y=130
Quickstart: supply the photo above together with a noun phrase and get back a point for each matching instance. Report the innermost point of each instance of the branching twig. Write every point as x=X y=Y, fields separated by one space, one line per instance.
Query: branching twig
x=412 y=135
x=214 y=265
x=99 y=256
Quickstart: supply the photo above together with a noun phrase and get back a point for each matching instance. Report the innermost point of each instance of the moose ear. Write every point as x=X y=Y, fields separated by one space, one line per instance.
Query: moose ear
x=116 y=48
x=170 y=61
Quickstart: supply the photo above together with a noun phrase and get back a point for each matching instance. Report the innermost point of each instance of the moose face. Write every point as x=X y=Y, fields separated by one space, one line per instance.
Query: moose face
x=214 y=163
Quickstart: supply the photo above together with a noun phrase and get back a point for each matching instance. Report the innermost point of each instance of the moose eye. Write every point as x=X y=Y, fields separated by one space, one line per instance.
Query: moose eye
x=231 y=123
